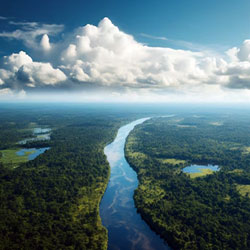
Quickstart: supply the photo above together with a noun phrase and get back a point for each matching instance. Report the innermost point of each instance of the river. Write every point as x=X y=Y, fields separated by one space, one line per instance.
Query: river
x=126 y=229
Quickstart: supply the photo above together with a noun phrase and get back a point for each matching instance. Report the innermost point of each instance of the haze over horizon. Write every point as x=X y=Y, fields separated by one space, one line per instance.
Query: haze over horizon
x=136 y=52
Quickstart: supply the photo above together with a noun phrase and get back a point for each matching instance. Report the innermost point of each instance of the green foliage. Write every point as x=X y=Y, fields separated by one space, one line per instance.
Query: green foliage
x=11 y=159
x=203 y=172
x=205 y=212
x=244 y=190
x=53 y=201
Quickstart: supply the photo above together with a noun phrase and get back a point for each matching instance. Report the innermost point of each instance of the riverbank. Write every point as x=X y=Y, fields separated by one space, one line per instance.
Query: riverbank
x=192 y=213
x=126 y=229
x=55 y=198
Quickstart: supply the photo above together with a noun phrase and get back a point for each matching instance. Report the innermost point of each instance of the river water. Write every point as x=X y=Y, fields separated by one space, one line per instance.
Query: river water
x=126 y=229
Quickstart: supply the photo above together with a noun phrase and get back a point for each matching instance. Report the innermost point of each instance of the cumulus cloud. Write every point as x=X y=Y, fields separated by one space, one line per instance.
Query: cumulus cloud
x=15 y=61
x=105 y=56
x=45 y=44
x=40 y=73
x=237 y=71
x=32 y=32
x=244 y=51
x=21 y=71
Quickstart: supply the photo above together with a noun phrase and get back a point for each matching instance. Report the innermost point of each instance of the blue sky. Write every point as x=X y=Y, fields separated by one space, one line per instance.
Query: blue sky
x=45 y=30
x=223 y=23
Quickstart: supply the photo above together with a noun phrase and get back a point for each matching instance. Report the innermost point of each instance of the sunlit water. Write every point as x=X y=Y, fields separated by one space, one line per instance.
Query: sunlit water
x=41 y=130
x=34 y=152
x=126 y=229
x=198 y=168
x=40 y=134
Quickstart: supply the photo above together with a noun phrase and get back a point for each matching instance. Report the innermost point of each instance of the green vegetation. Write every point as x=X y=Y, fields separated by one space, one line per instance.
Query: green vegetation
x=172 y=161
x=204 y=171
x=185 y=126
x=11 y=159
x=235 y=171
x=209 y=211
x=246 y=150
x=53 y=201
x=244 y=189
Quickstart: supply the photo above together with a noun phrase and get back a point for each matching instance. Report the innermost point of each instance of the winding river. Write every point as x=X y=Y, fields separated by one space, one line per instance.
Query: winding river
x=126 y=229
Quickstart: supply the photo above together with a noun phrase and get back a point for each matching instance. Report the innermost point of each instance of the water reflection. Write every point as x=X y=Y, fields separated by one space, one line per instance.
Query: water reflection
x=126 y=229
x=33 y=152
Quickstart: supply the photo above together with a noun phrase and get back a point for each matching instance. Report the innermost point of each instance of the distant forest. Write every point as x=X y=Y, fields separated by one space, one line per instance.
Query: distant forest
x=52 y=202
x=206 y=212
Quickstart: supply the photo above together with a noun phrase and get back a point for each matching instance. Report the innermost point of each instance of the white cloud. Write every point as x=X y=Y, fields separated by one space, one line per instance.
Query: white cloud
x=5 y=75
x=16 y=60
x=78 y=74
x=244 y=51
x=30 y=33
x=20 y=71
x=104 y=55
x=37 y=73
x=111 y=57
x=45 y=44
x=5 y=92
x=107 y=56
x=8 y=94
x=70 y=53
x=163 y=38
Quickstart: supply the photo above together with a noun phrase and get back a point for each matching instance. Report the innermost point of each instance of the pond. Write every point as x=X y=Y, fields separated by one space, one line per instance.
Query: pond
x=41 y=130
x=198 y=168
x=31 y=152
x=40 y=134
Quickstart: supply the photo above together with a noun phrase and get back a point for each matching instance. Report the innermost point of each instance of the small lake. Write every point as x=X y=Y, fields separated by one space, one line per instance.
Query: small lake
x=198 y=168
x=126 y=229
x=41 y=130
x=33 y=152
x=40 y=134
